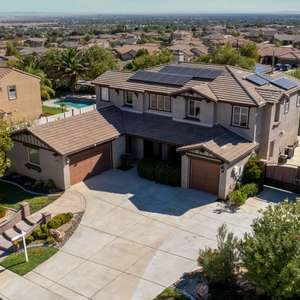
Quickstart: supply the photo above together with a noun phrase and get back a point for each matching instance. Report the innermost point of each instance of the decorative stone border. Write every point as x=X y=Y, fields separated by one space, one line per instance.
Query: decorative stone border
x=26 y=190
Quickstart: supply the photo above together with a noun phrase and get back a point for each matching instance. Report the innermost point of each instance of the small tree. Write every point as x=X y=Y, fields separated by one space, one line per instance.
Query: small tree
x=272 y=253
x=11 y=49
x=5 y=145
x=253 y=171
x=219 y=265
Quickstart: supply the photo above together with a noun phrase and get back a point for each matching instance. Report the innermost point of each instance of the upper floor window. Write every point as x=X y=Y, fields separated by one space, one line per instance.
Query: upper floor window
x=240 y=116
x=298 y=100
x=33 y=156
x=277 y=112
x=104 y=94
x=128 y=98
x=193 y=109
x=286 y=106
x=160 y=103
x=12 y=92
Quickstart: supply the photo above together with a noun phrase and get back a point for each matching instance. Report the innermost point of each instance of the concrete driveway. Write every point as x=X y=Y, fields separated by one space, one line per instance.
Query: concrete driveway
x=135 y=239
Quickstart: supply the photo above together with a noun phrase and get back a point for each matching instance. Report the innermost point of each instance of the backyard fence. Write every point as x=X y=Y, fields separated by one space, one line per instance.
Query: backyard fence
x=283 y=176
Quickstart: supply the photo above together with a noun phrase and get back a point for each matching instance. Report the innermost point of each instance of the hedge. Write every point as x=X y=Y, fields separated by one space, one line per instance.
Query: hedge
x=163 y=172
x=146 y=168
x=240 y=195
x=2 y=211
x=167 y=173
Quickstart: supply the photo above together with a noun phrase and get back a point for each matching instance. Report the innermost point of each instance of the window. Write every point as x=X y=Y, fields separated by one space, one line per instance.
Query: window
x=286 y=106
x=240 y=116
x=160 y=103
x=104 y=94
x=277 y=112
x=193 y=109
x=128 y=98
x=12 y=92
x=298 y=100
x=34 y=156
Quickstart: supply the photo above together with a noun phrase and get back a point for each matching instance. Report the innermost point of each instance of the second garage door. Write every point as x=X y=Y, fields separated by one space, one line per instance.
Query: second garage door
x=205 y=175
x=90 y=162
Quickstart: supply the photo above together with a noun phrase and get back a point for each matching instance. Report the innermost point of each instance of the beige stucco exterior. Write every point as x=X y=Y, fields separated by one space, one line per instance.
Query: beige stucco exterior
x=52 y=166
x=27 y=106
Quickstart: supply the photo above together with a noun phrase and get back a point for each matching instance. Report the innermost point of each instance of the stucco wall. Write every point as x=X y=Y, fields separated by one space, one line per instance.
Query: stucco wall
x=287 y=130
x=227 y=179
x=207 y=111
x=52 y=167
x=223 y=117
x=28 y=105
x=118 y=148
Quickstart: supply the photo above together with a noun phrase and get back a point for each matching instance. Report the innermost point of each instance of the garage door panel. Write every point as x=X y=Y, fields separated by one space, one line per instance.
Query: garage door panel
x=90 y=163
x=205 y=175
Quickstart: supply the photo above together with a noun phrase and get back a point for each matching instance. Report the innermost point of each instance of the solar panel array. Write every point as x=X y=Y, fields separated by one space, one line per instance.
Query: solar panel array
x=160 y=78
x=284 y=83
x=257 y=80
x=196 y=73
x=262 y=79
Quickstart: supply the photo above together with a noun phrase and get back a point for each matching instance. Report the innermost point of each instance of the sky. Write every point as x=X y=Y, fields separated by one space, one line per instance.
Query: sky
x=149 y=6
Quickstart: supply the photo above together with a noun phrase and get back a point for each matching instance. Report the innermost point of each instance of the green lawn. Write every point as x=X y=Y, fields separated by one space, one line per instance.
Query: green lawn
x=11 y=196
x=16 y=263
x=49 y=111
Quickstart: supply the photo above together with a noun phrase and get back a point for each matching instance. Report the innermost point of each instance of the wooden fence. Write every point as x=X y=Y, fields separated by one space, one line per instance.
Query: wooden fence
x=283 y=176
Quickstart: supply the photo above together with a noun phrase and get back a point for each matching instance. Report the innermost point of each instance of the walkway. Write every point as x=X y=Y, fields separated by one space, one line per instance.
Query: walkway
x=135 y=239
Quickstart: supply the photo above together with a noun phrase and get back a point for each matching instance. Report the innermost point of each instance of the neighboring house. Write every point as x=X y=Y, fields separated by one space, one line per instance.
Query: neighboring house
x=128 y=52
x=186 y=51
x=271 y=54
x=210 y=120
x=36 y=42
x=20 y=96
x=181 y=35
x=287 y=39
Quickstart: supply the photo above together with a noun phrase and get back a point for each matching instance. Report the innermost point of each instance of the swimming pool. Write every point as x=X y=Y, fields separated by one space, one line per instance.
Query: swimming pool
x=75 y=102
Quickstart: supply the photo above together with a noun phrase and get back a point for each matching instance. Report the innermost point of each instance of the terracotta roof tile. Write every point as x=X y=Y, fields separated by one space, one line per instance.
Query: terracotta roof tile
x=73 y=134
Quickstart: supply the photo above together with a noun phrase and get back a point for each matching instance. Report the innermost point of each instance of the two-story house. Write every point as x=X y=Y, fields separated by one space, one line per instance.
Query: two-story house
x=209 y=118
x=20 y=96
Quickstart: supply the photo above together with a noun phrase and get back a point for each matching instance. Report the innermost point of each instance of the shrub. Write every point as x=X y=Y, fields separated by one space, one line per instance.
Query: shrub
x=29 y=239
x=59 y=220
x=271 y=254
x=249 y=189
x=253 y=171
x=2 y=212
x=237 y=197
x=219 y=265
x=146 y=168
x=40 y=233
x=167 y=173
x=171 y=294
x=50 y=240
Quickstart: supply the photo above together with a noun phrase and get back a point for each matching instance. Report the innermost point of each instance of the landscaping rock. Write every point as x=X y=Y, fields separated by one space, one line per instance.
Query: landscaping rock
x=57 y=235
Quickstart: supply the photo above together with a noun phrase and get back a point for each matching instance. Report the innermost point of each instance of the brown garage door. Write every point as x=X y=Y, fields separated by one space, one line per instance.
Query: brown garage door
x=89 y=163
x=205 y=175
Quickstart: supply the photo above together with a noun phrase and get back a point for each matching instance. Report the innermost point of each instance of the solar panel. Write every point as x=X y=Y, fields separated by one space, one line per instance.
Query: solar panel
x=196 y=73
x=257 y=79
x=262 y=69
x=160 y=78
x=266 y=77
x=284 y=83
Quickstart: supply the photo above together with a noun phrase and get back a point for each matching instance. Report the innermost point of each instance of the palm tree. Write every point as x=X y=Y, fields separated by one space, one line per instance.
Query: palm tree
x=47 y=92
x=71 y=67
x=30 y=64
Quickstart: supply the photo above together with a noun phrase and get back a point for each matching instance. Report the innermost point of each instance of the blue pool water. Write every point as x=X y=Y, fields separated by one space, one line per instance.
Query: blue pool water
x=75 y=102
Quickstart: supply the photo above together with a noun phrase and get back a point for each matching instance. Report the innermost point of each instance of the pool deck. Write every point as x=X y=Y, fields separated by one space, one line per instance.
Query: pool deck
x=56 y=102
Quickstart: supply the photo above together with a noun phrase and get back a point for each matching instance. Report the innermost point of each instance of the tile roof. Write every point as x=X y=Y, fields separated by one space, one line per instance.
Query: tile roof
x=231 y=86
x=76 y=133
x=4 y=72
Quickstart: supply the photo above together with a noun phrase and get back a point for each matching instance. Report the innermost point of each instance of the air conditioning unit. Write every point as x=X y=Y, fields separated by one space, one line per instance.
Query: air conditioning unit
x=282 y=158
x=289 y=151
